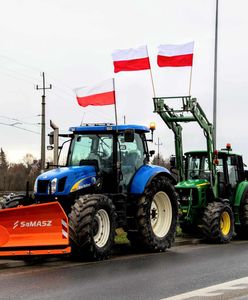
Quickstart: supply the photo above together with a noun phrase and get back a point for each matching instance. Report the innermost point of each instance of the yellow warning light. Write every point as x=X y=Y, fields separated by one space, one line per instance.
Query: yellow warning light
x=152 y=126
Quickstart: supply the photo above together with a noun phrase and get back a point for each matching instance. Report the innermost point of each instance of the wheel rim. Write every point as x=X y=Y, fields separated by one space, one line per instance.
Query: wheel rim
x=101 y=228
x=161 y=214
x=225 y=223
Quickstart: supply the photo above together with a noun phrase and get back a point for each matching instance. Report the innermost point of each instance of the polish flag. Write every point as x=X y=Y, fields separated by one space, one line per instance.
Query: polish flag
x=175 y=55
x=131 y=59
x=101 y=94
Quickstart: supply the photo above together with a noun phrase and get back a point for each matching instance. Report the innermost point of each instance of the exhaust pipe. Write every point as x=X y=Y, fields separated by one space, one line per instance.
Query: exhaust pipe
x=55 y=142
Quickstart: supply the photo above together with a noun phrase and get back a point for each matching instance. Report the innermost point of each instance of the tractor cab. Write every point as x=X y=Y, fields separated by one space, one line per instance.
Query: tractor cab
x=229 y=169
x=102 y=158
x=196 y=165
x=115 y=153
x=230 y=173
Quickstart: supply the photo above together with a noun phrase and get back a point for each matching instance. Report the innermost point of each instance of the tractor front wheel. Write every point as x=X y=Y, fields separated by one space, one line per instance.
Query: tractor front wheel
x=156 y=217
x=92 y=223
x=218 y=222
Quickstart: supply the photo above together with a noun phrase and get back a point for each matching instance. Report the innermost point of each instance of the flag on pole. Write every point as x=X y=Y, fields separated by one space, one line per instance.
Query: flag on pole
x=101 y=94
x=175 y=55
x=131 y=59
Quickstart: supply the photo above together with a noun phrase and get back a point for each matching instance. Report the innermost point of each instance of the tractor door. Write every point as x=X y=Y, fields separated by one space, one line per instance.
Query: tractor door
x=131 y=155
x=103 y=147
x=95 y=149
x=233 y=175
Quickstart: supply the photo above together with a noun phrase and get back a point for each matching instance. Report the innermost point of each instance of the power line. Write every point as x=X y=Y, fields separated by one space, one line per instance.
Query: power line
x=19 y=63
x=63 y=89
x=15 y=70
x=18 y=127
x=18 y=120
x=15 y=77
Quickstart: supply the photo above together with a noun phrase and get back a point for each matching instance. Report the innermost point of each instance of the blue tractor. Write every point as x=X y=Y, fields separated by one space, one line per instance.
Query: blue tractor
x=107 y=183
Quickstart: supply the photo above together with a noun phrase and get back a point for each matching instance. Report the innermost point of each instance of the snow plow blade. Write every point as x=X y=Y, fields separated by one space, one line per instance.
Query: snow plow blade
x=39 y=229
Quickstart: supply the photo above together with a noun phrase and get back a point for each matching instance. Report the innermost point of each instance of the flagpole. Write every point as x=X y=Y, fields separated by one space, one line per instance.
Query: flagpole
x=190 y=80
x=153 y=86
x=115 y=105
x=215 y=75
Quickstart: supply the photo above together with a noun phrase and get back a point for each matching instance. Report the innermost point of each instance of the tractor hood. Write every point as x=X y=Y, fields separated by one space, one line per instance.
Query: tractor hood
x=189 y=184
x=65 y=180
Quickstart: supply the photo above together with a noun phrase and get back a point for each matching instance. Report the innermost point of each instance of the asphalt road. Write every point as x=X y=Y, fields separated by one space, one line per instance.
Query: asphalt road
x=142 y=276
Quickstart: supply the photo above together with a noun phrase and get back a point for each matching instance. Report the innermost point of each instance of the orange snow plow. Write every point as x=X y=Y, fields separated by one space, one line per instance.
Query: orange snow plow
x=39 y=229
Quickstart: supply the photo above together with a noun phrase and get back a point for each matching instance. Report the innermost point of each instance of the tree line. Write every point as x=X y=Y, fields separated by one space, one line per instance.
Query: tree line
x=14 y=176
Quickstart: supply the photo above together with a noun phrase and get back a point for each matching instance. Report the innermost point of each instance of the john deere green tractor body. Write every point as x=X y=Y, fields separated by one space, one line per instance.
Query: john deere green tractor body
x=212 y=187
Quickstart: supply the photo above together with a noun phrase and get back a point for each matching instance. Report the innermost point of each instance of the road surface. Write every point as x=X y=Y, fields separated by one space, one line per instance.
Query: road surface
x=180 y=270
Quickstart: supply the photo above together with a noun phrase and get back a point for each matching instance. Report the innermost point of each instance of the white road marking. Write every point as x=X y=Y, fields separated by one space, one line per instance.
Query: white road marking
x=213 y=290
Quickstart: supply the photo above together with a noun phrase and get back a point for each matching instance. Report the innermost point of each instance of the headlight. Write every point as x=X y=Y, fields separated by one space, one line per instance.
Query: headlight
x=35 y=186
x=53 y=186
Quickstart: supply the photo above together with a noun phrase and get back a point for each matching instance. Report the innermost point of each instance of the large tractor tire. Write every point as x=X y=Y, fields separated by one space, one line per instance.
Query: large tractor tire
x=156 y=217
x=92 y=223
x=14 y=200
x=218 y=222
x=242 y=229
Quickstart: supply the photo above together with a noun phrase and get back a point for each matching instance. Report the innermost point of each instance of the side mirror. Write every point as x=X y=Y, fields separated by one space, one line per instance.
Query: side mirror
x=51 y=138
x=173 y=161
x=129 y=135
x=151 y=152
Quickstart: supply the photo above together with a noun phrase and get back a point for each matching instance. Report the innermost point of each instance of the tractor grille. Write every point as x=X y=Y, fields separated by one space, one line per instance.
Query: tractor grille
x=42 y=186
x=184 y=195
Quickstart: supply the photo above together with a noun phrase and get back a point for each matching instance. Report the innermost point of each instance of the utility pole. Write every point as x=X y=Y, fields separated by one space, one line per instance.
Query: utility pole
x=43 y=121
x=158 y=144
x=215 y=75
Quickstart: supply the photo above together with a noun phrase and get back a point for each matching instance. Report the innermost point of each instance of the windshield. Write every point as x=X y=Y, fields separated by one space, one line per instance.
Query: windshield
x=90 y=147
x=198 y=167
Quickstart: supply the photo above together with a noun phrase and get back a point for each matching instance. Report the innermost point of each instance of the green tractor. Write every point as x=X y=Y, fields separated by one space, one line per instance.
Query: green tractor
x=212 y=185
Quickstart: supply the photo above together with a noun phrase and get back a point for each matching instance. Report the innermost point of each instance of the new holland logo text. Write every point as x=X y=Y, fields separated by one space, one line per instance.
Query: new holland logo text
x=36 y=223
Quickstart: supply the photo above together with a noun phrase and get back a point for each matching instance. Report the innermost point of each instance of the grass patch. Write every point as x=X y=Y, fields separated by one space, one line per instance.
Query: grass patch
x=121 y=237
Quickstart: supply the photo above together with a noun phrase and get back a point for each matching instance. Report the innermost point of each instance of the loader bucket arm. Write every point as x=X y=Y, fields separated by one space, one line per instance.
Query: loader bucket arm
x=37 y=229
x=190 y=111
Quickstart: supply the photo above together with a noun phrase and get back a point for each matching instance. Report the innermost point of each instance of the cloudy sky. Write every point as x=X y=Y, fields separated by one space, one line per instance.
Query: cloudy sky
x=72 y=41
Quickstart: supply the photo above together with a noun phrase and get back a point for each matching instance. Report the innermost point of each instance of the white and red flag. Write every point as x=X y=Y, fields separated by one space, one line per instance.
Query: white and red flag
x=175 y=55
x=102 y=93
x=133 y=59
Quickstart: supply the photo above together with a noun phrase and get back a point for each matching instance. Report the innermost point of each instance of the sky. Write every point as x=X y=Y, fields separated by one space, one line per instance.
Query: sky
x=72 y=42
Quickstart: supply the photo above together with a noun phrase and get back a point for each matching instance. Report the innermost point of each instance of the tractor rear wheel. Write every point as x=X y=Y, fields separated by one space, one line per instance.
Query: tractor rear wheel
x=218 y=222
x=92 y=223
x=156 y=217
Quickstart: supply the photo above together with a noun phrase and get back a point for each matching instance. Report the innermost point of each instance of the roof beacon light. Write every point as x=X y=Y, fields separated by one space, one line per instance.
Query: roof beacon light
x=229 y=147
x=152 y=126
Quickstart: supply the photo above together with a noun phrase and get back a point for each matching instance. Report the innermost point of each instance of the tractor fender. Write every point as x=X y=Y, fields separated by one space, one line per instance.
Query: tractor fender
x=240 y=193
x=144 y=176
